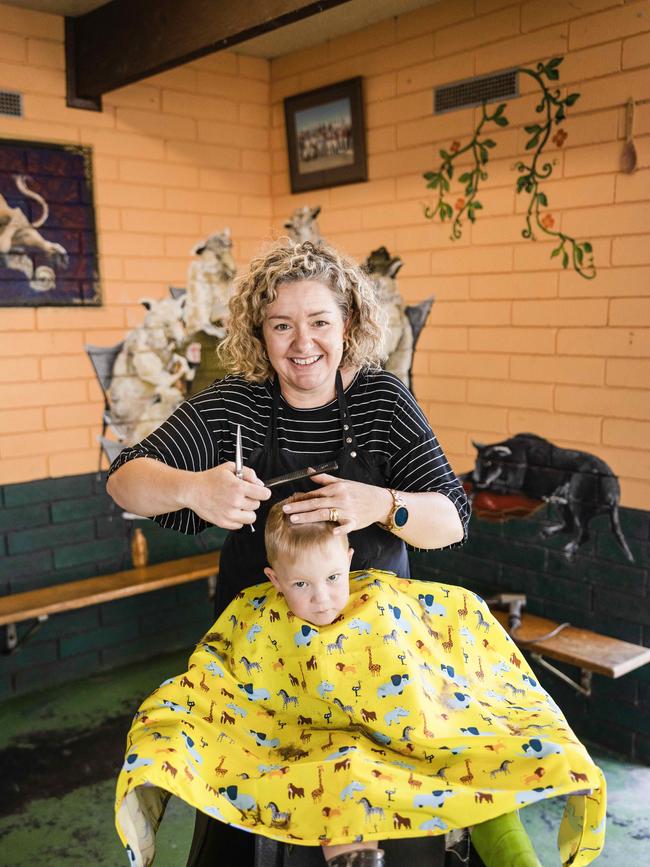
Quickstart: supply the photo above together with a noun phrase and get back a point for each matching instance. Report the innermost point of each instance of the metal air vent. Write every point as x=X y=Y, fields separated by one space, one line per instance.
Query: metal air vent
x=475 y=91
x=11 y=104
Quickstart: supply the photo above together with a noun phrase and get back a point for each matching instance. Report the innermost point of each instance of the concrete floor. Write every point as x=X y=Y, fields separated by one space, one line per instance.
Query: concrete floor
x=60 y=751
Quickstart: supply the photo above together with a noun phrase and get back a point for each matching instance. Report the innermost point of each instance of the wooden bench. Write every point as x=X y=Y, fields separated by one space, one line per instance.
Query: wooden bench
x=40 y=604
x=589 y=651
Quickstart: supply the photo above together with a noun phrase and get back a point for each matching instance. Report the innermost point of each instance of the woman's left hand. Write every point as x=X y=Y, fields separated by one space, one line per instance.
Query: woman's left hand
x=356 y=504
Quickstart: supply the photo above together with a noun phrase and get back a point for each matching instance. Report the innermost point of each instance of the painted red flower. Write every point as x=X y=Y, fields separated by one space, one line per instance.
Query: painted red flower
x=460 y=204
x=559 y=138
x=454 y=147
x=547 y=221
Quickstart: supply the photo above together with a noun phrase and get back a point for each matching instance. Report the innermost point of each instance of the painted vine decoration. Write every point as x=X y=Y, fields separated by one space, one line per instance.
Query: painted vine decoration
x=578 y=254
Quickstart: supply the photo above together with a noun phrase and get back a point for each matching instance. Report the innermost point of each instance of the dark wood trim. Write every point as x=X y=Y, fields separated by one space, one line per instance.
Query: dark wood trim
x=73 y=100
x=127 y=40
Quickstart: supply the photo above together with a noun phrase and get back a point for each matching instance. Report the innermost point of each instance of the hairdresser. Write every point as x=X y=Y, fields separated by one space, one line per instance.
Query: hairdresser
x=305 y=345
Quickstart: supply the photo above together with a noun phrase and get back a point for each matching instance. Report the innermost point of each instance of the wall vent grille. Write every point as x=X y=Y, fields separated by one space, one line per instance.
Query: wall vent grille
x=11 y=104
x=475 y=91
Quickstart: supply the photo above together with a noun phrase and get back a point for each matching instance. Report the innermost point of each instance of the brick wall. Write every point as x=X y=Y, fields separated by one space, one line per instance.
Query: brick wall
x=176 y=157
x=57 y=530
x=600 y=590
x=513 y=343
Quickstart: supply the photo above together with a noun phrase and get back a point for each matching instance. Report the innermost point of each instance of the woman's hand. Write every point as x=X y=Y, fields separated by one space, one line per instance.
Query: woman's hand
x=218 y=496
x=358 y=505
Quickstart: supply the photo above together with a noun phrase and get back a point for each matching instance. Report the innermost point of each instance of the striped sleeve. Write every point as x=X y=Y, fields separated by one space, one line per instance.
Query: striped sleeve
x=418 y=463
x=182 y=441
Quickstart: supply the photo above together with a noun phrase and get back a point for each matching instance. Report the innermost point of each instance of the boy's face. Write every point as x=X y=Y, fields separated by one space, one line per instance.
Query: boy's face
x=316 y=584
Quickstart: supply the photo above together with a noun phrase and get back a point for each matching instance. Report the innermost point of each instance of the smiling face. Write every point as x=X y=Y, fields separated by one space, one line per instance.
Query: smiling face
x=303 y=332
x=316 y=584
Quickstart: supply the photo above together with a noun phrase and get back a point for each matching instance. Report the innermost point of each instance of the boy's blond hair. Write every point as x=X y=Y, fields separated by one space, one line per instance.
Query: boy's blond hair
x=286 y=539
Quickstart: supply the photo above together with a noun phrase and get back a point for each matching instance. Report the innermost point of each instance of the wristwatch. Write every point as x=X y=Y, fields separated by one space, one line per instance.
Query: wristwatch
x=398 y=515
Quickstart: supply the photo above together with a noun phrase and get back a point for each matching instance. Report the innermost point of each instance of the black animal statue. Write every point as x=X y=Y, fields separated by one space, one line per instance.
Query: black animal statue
x=580 y=484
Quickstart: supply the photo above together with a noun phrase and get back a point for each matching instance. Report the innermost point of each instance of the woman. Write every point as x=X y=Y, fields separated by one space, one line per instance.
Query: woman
x=305 y=341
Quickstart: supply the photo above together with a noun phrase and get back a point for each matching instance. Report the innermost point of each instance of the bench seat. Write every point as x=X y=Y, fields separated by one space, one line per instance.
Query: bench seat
x=587 y=650
x=18 y=607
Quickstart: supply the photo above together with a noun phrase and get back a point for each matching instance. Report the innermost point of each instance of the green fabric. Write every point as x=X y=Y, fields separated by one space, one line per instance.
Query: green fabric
x=503 y=842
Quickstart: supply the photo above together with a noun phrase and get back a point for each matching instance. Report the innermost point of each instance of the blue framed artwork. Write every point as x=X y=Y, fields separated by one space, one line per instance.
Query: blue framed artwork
x=48 y=240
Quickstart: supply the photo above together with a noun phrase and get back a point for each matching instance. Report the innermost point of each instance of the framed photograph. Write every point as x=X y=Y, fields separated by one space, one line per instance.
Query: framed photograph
x=326 y=136
x=48 y=240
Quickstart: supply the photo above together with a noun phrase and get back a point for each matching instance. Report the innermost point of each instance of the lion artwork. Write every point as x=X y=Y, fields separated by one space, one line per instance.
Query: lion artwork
x=149 y=371
x=210 y=285
x=18 y=236
x=398 y=345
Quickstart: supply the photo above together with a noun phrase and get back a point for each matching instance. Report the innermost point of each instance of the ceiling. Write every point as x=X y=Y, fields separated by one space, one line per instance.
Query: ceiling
x=350 y=16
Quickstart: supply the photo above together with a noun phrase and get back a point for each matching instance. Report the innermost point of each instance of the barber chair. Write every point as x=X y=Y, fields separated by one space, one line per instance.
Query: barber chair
x=249 y=850
x=417 y=315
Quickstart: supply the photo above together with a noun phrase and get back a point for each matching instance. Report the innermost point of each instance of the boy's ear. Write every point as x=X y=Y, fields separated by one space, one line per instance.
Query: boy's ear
x=350 y=553
x=273 y=578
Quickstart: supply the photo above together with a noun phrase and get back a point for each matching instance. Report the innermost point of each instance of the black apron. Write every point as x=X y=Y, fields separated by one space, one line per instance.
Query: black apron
x=243 y=557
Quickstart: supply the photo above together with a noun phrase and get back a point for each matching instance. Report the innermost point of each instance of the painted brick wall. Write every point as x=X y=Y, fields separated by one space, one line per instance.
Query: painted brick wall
x=513 y=343
x=175 y=158
x=600 y=590
x=65 y=529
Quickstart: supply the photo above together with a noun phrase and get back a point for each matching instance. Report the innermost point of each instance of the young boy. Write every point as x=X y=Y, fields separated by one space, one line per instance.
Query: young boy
x=336 y=709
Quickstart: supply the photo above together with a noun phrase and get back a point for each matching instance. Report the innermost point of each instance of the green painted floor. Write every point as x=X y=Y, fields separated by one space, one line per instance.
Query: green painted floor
x=60 y=750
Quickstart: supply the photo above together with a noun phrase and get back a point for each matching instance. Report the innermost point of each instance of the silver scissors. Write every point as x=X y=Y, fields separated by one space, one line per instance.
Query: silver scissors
x=239 y=459
x=239 y=462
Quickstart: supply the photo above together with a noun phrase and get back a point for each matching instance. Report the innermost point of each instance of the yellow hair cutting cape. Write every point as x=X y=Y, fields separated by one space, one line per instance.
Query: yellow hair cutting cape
x=412 y=714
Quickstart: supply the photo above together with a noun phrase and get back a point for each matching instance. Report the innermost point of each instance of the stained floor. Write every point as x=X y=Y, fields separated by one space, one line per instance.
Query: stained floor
x=59 y=751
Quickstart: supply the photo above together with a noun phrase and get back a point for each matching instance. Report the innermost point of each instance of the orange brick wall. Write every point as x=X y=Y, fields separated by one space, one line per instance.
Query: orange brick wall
x=513 y=343
x=176 y=157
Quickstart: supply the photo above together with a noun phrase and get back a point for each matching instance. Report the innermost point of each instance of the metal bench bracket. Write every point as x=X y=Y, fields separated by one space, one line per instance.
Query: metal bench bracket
x=12 y=643
x=584 y=687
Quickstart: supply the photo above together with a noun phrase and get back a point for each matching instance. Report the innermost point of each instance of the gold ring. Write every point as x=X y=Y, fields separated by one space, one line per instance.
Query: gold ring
x=334 y=515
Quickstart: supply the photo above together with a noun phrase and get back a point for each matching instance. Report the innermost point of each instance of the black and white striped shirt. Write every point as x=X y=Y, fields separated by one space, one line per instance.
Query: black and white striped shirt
x=385 y=418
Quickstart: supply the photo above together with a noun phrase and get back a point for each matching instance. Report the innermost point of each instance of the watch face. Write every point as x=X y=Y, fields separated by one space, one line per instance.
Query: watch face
x=401 y=516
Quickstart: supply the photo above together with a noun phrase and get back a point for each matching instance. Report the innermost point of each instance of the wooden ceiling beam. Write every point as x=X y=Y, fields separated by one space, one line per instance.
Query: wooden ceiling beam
x=127 y=40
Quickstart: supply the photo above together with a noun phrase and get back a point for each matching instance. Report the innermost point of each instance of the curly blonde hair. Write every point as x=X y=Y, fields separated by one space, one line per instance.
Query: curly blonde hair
x=243 y=349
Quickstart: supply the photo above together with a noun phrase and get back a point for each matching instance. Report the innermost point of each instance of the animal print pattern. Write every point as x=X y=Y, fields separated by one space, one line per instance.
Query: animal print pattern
x=412 y=714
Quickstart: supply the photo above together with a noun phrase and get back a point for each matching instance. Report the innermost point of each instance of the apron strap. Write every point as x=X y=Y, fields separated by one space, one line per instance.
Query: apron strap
x=349 y=437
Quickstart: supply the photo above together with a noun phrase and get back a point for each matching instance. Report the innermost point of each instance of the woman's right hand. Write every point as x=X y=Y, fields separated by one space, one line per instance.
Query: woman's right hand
x=220 y=498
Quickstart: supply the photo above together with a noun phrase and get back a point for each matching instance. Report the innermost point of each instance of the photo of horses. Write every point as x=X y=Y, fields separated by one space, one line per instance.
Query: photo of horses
x=48 y=242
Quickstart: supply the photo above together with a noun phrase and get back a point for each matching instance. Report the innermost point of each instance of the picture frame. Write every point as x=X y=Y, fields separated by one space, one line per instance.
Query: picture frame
x=48 y=235
x=326 y=139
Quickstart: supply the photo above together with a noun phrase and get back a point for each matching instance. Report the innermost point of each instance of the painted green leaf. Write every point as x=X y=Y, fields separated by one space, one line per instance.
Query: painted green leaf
x=565 y=259
x=571 y=99
x=534 y=127
x=445 y=156
x=466 y=176
x=587 y=246
x=489 y=143
x=531 y=143
x=501 y=121
x=541 y=198
x=429 y=176
x=555 y=252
